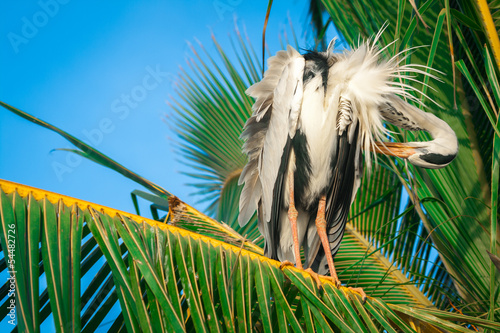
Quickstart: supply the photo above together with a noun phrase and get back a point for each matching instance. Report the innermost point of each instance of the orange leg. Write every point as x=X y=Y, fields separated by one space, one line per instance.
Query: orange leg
x=321 y=228
x=292 y=217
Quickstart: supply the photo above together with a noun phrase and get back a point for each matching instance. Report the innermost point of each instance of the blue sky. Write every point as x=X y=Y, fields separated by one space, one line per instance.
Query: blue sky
x=103 y=71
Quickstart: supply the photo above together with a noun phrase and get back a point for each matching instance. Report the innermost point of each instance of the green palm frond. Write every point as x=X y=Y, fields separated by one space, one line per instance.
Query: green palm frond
x=169 y=279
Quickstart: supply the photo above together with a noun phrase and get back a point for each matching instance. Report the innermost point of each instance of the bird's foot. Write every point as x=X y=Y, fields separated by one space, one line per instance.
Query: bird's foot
x=359 y=291
x=315 y=276
x=286 y=263
x=289 y=263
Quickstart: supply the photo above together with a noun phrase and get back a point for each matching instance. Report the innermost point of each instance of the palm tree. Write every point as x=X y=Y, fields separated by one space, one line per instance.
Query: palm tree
x=171 y=276
x=453 y=210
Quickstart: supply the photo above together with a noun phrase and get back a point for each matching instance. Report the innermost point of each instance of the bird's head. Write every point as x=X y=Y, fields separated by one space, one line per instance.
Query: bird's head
x=433 y=154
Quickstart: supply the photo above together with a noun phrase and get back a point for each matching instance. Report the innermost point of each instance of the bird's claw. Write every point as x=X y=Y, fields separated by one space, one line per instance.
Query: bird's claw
x=286 y=263
x=359 y=291
x=315 y=276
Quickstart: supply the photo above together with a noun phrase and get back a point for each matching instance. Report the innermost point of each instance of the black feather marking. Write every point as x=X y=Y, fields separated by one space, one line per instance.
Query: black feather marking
x=315 y=63
x=303 y=166
x=437 y=159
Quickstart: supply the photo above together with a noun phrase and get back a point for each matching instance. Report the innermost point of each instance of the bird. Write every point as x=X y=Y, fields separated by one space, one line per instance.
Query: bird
x=318 y=119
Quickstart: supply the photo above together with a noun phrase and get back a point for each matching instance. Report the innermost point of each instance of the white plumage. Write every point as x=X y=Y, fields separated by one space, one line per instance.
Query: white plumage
x=314 y=115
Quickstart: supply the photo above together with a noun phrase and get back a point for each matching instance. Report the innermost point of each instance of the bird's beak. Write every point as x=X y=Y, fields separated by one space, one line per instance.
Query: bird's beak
x=402 y=150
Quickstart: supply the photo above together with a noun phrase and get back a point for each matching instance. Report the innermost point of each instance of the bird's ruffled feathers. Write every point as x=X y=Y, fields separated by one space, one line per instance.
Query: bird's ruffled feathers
x=365 y=80
x=280 y=91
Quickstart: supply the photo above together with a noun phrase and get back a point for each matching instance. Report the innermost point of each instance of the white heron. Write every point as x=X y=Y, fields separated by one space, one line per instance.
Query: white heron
x=314 y=115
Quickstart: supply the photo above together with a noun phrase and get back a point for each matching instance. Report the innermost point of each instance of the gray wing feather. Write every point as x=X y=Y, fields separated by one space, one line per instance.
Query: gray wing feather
x=278 y=100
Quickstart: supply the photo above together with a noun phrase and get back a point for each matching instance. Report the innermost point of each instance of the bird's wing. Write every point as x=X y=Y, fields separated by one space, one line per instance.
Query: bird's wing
x=275 y=112
x=271 y=229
